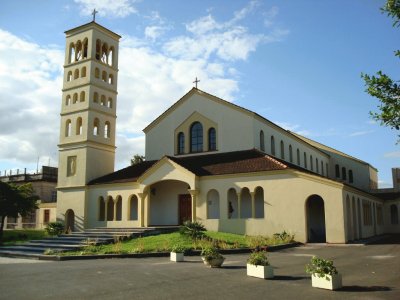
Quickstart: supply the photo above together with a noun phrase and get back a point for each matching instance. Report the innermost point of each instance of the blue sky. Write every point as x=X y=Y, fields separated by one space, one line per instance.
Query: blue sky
x=297 y=63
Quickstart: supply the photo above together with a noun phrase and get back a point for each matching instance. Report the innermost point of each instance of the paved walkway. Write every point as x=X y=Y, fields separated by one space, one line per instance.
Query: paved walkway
x=369 y=272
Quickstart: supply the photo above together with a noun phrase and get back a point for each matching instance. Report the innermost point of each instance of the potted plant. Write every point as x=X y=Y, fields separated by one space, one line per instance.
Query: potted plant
x=258 y=265
x=324 y=274
x=211 y=257
x=177 y=253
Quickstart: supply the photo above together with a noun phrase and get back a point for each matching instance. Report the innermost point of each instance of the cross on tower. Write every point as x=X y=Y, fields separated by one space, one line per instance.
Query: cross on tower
x=94 y=14
x=196 y=81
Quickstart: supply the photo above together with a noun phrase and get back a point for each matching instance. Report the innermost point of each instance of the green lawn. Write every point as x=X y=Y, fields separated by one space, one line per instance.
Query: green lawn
x=164 y=243
x=12 y=237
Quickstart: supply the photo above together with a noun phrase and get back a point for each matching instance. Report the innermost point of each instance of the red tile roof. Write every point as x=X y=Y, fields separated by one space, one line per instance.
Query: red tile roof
x=202 y=165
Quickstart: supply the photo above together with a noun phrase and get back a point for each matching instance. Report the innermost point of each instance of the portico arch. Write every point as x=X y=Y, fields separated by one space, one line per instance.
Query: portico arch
x=70 y=220
x=315 y=219
x=169 y=202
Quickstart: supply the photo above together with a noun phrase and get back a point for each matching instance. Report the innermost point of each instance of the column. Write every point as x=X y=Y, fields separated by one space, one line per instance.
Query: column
x=141 y=214
x=239 y=197
x=194 y=194
x=253 y=205
x=115 y=210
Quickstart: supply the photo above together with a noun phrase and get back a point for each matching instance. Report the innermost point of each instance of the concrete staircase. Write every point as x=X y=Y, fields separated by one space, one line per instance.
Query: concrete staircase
x=79 y=239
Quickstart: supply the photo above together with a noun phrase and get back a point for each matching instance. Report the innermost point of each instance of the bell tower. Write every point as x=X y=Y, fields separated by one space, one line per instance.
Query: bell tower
x=88 y=112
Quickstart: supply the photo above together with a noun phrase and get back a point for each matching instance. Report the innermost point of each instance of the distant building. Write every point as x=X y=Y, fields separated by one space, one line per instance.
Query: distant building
x=44 y=184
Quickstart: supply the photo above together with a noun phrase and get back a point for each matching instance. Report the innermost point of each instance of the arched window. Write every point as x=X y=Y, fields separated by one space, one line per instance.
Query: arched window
x=298 y=157
x=290 y=153
x=68 y=100
x=96 y=128
x=262 y=142
x=110 y=208
x=133 y=208
x=196 y=137
x=317 y=165
x=305 y=160
x=107 y=129
x=104 y=76
x=109 y=102
x=337 y=171
x=79 y=126
x=83 y=72
x=95 y=97
x=85 y=48
x=259 y=202
x=102 y=209
x=394 y=214
x=98 y=49
x=103 y=100
x=245 y=204
x=111 y=79
x=68 y=128
x=71 y=57
x=82 y=96
x=212 y=139
x=272 y=145
x=111 y=56
x=69 y=76
x=181 y=143
x=97 y=73
x=76 y=74
x=118 y=208
x=78 y=53
x=104 y=53
x=311 y=163
x=212 y=204
x=75 y=98
x=344 y=173
x=233 y=210
x=322 y=168
x=351 y=176
x=327 y=169
x=282 y=150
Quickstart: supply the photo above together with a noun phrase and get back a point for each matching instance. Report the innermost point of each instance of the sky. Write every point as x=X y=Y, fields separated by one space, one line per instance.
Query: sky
x=297 y=63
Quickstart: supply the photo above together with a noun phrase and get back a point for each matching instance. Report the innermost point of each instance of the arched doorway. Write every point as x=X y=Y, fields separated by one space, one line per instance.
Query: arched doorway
x=315 y=217
x=70 y=220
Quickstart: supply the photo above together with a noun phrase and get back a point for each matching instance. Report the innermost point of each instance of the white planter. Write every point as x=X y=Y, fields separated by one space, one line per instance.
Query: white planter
x=176 y=257
x=334 y=282
x=260 y=271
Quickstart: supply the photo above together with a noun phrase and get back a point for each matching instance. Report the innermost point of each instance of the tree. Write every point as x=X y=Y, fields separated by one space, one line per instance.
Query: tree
x=15 y=200
x=382 y=86
x=137 y=159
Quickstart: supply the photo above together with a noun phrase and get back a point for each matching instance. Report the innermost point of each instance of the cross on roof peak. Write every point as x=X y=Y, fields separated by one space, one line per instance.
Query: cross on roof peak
x=196 y=81
x=94 y=14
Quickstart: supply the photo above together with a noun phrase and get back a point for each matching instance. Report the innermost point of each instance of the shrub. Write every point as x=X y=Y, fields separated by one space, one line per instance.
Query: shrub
x=284 y=237
x=321 y=267
x=178 y=248
x=258 y=258
x=210 y=253
x=54 y=228
x=195 y=230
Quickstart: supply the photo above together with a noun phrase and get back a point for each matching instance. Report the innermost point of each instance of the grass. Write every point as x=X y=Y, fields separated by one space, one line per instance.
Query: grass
x=164 y=243
x=12 y=237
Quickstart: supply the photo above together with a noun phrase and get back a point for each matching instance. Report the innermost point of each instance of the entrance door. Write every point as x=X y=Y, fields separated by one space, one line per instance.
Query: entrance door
x=315 y=220
x=70 y=220
x=185 y=208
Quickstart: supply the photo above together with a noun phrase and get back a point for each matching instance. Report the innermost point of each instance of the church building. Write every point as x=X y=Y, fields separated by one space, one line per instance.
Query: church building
x=206 y=160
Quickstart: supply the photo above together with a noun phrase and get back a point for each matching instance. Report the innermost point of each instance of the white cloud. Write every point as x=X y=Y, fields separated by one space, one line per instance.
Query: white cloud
x=153 y=32
x=228 y=41
x=114 y=8
x=395 y=154
x=30 y=87
x=360 y=133
x=270 y=15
